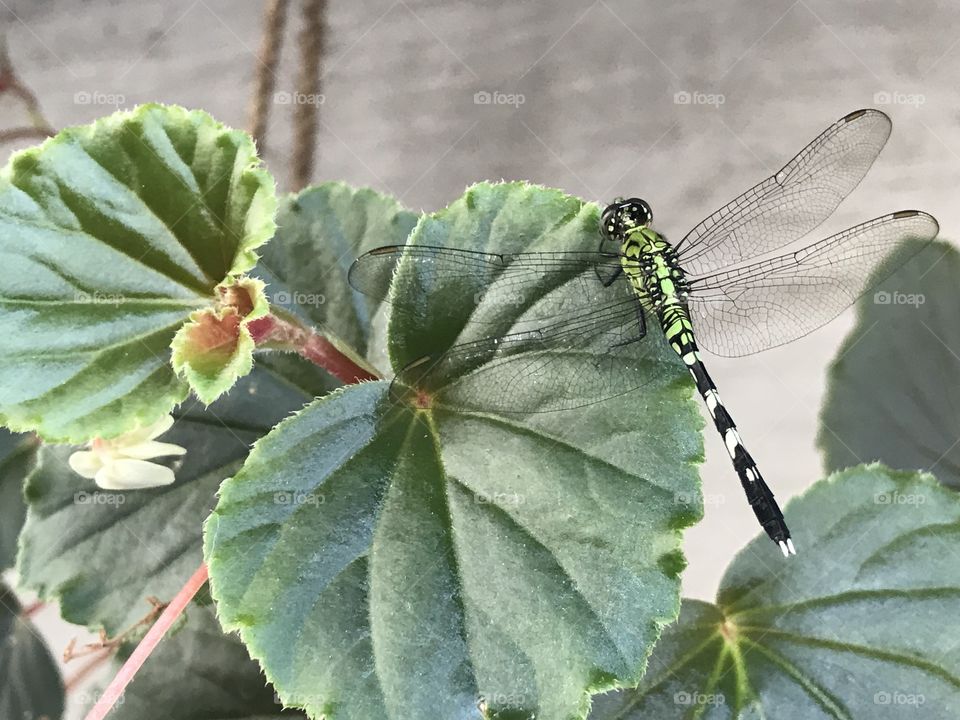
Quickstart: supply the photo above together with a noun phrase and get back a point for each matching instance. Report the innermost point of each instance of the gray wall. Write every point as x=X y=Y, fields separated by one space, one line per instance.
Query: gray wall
x=599 y=118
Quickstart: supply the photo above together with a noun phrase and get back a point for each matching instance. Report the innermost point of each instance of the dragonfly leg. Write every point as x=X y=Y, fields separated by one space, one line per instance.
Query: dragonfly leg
x=641 y=329
x=610 y=277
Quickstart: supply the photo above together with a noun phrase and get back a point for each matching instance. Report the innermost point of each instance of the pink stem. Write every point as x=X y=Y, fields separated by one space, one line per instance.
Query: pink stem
x=311 y=345
x=149 y=643
x=33 y=608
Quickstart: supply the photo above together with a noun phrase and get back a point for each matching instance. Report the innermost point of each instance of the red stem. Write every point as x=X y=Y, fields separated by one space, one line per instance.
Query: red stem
x=311 y=345
x=33 y=608
x=149 y=643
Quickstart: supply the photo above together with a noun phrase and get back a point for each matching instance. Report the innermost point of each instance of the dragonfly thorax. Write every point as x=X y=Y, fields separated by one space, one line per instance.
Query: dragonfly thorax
x=651 y=264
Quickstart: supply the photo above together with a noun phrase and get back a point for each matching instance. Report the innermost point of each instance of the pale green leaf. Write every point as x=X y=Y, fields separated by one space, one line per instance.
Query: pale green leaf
x=856 y=626
x=111 y=234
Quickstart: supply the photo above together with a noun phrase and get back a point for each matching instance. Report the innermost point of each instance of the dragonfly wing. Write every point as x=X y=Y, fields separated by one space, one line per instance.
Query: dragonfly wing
x=479 y=284
x=792 y=202
x=772 y=302
x=591 y=354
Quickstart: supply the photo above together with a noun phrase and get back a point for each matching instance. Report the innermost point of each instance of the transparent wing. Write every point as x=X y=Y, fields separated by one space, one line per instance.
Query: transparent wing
x=775 y=301
x=570 y=339
x=589 y=356
x=555 y=366
x=482 y=280
x=791 y=203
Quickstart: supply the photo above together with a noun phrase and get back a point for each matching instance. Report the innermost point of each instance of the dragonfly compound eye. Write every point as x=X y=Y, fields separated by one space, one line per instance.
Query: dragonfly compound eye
x=635 y=212
x=609 y=222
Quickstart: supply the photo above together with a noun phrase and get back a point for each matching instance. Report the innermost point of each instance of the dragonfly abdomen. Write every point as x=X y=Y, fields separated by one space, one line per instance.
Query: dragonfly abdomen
x=758 y=493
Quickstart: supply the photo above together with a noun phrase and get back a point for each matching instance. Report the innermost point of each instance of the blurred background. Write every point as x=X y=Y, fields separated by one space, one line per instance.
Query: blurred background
x=684 y=104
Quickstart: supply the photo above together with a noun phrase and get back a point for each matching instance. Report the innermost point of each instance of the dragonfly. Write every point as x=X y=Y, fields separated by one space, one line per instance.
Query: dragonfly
x=732 y=286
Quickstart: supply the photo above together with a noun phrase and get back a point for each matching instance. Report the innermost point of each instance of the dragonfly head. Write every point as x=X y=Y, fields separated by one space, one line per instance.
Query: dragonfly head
x=621 y=216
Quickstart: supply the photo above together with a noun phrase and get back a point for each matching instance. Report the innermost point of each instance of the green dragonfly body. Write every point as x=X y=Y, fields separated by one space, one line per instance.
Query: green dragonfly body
x=723 y=287
x=652 y=267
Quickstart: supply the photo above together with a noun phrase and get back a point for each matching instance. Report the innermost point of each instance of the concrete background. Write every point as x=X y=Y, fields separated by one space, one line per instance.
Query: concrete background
x=599 y=118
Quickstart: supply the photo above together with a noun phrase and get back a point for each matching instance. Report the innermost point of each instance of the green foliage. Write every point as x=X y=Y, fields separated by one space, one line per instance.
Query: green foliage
x=384 y=561
x=30 y=685
x=102 y=554
x=17 y=453
x=111 y=235
x=198 y=674
x=892 y=393
x=852 y=627
x=320 y=232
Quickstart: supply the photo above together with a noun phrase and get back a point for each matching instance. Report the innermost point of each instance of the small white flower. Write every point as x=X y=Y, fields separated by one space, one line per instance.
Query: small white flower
x=120 y=463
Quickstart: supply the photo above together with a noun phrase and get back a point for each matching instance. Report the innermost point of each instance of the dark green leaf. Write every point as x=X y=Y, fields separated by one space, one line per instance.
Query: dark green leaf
x=320 y=232
x=101 y=554
x=17 y=453
x=199 y=673
x=384 y=561
x=894 y=387
x=30 y=685
x=857 y=625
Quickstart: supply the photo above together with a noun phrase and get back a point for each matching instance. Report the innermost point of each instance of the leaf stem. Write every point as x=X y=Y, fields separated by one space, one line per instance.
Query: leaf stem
x=150 y=641
x=33 y=608
x=288 y=334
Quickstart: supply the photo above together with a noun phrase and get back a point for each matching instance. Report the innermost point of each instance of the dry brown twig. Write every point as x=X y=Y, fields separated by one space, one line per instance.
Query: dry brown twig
x=11 y=84
x=274 y=21
x=309 y=97
x=106 y=643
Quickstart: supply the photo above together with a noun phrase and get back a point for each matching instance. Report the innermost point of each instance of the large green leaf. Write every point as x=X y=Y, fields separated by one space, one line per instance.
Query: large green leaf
x=320 y=231
x=894 y=387
x=17 y=453
x=199 y=673
x=101 y=554
x=858 y=625
x=30 y=685
x=111 y=234
x=383 y=561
